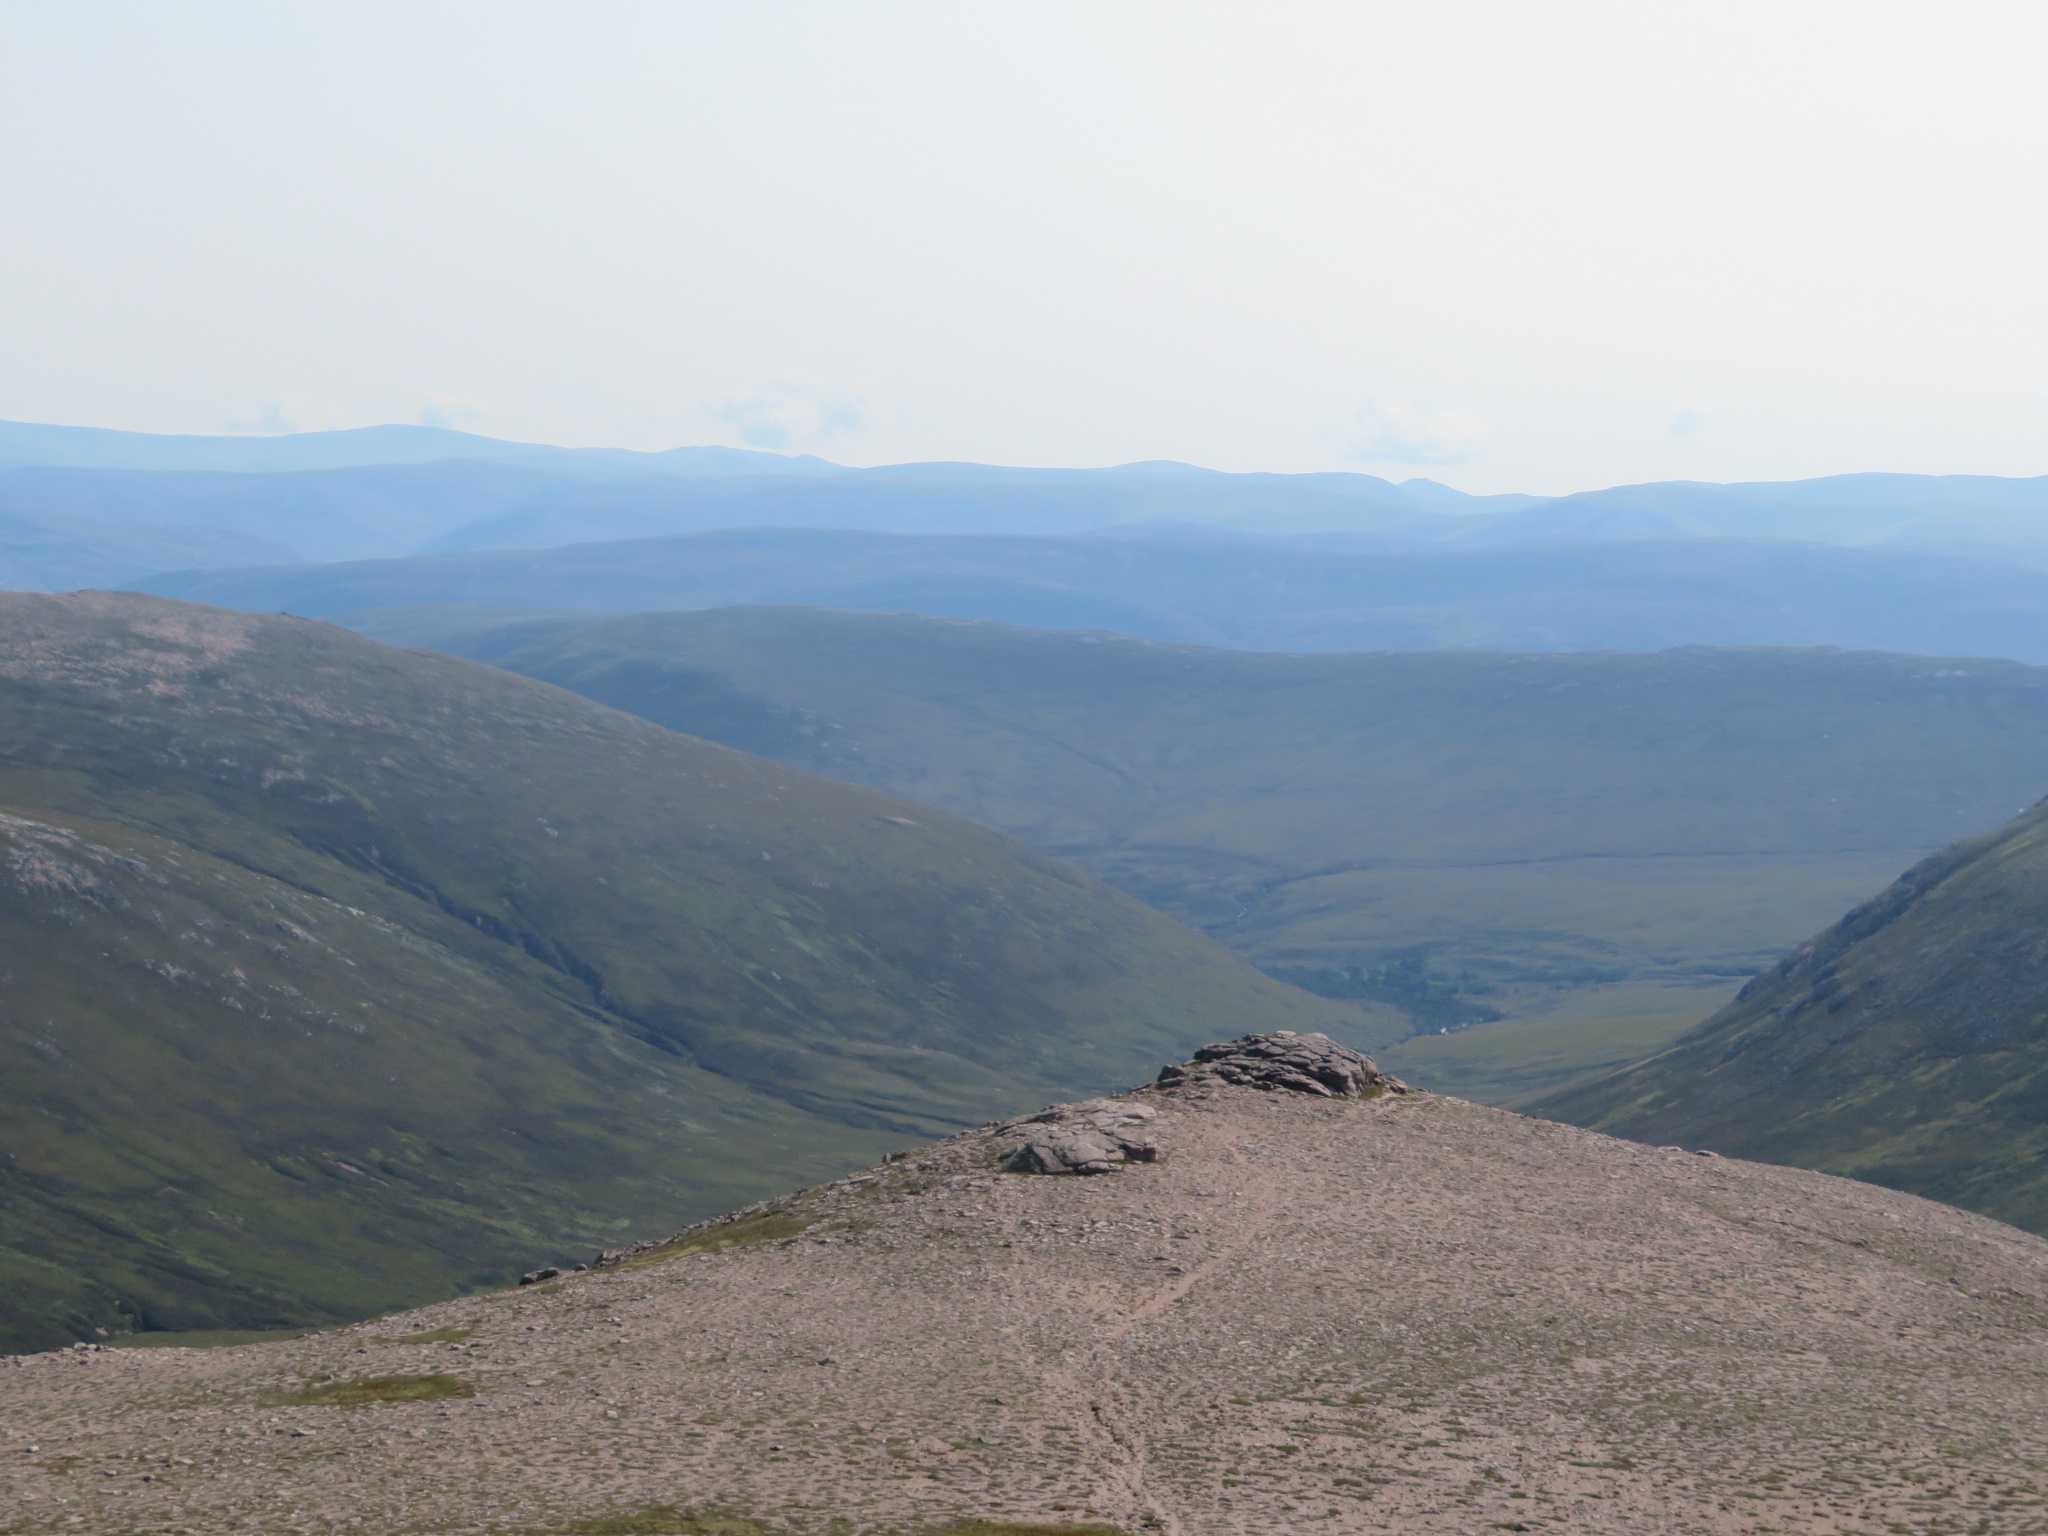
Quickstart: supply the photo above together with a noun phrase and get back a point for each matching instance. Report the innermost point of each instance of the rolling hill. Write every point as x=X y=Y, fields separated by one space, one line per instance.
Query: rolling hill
x=1255 y=595
x=336 y=977
x=1986 y=515
x=1462 y=834
x=57 y=549
x=1307 y=1314
x=311 y=514
x=1907 y=1044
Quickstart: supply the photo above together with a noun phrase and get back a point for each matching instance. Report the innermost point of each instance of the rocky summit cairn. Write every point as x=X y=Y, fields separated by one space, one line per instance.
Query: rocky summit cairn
x=1099 y=1135
x=1093 y=1136
x=1313 y=1064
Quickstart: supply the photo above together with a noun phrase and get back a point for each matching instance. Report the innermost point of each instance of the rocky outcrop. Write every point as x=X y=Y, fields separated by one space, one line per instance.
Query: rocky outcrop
x=1094 y=1136
x=1313 y=1064
x=1101 y=1135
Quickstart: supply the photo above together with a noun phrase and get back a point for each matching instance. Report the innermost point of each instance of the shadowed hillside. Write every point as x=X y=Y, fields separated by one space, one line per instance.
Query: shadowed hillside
x=1906 y=1045
x=337 y=976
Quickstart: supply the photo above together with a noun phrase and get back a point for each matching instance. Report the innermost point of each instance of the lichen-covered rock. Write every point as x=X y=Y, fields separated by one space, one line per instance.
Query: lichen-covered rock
x=1312 y=1064
x=1094 y=1136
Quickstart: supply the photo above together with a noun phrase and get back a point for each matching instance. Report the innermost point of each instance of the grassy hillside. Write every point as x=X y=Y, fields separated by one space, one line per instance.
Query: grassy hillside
x=1906 y=1045
x=1258 y=595
x=336 y=977
x=1461 y=834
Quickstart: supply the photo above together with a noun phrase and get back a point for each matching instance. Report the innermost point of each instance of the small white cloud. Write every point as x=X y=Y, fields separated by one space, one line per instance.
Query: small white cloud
x=1687 y=421
x=451 y=411
x=276 y=419
x=789 y=415
x=1393 y=432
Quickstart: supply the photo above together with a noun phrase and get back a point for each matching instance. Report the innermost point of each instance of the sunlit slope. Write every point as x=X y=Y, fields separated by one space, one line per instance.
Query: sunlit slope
x=337 y=976
x=1906 y=1045
x=1472 y=831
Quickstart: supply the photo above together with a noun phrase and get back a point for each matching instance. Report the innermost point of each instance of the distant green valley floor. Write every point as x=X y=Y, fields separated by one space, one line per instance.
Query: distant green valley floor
x=1519 y=1058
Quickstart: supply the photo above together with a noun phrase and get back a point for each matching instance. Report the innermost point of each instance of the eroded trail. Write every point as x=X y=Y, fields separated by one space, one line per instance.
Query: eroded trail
x=1250 y=1197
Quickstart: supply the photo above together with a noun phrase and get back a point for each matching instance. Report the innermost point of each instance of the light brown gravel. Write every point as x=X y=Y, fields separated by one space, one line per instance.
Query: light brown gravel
x=1410 y=1314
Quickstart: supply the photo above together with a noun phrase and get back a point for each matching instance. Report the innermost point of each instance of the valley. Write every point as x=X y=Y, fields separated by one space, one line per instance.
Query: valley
x=1049 y=770
x=1466 y=837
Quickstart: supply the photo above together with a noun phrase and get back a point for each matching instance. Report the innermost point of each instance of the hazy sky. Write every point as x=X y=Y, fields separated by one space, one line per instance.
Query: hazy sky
x=1525 y=245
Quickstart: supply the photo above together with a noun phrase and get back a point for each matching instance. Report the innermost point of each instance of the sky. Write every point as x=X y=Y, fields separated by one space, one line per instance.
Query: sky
x=1537 y=246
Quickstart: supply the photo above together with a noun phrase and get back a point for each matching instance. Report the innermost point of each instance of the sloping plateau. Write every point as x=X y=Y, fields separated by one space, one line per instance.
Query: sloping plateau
x=1401 y=1312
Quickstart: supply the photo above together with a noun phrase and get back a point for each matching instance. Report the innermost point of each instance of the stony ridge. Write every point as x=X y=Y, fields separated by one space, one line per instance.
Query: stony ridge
x=1396 y=1312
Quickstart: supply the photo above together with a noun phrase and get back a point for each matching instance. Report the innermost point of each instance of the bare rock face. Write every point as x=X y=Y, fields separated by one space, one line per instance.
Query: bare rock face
x=1093 y=1136
x=1312 y=1064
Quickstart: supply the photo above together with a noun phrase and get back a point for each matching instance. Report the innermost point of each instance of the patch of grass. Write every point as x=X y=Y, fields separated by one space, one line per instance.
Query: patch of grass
x=209 y=1338
x=364 y=1390
x=436 y=1336
x=1011 y=1528
x=747 y=1232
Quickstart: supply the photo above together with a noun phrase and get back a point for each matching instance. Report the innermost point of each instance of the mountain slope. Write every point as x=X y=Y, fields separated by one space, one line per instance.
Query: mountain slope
x=1310 y=1314
x=1255 y=595
x=338 y=976
x=1907 y=1044
x=1462 y=833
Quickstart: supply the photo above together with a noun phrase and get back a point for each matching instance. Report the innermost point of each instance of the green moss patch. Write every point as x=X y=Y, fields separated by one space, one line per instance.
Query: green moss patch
x=364 y=1390
x=747 y=1232
x=435 y=1336
x=660 y=1520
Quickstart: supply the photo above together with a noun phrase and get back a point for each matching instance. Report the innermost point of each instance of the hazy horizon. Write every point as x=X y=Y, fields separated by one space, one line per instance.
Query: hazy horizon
x=1504 y=247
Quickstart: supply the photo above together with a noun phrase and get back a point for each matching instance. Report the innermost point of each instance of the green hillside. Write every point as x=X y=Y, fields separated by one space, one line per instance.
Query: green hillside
x=1461 y=834
x=336 y=977
x=1906 y=1045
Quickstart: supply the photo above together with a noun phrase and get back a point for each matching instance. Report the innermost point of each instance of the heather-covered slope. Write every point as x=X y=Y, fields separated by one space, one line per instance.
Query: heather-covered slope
x=337 y=976
x=1459 y=833
x=1907 y=1044
x=1406 y=1314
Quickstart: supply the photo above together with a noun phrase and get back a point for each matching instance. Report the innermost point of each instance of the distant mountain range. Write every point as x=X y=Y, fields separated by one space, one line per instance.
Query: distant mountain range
x=1640 y=596
x=29 y=443
x=1938 y=565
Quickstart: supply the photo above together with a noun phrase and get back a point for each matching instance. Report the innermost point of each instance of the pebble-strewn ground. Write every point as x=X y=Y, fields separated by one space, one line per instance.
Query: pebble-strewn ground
x=1410 y=1314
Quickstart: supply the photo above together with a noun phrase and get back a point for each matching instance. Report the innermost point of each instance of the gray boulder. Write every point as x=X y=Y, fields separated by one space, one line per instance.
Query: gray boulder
x=1094 y=1136
x=1312 y=1064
